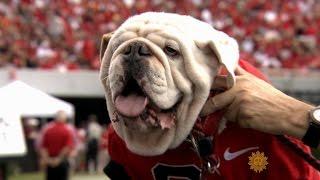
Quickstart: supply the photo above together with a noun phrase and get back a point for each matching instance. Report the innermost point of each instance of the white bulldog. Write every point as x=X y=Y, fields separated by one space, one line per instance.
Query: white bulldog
x=157 y=70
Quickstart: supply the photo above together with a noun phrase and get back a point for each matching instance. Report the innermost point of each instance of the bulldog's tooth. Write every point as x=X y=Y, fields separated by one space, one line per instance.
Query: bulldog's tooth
x=152 y=112
x=149 y=120
x=153 y=121
x=173 y=116
x=154 y=116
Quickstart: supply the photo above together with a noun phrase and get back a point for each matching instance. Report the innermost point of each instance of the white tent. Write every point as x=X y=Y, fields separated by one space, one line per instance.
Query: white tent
x=29 y=101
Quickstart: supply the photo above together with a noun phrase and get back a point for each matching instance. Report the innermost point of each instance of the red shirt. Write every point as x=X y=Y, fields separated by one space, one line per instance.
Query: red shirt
x=56 y=137
x=234 y=147
x=104 y=138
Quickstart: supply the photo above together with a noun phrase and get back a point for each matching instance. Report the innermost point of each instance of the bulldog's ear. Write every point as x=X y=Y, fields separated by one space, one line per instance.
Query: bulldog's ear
x=104 y=43
x=226 y=50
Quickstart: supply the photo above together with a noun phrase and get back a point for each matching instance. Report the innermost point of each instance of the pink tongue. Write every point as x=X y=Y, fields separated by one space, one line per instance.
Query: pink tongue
x=132 y=105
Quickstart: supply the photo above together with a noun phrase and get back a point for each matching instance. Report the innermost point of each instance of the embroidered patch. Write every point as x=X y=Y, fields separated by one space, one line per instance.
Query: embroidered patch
x=258 y=161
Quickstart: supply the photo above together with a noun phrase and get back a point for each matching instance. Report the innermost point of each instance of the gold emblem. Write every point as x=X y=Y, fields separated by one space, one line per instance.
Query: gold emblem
x=258 y=161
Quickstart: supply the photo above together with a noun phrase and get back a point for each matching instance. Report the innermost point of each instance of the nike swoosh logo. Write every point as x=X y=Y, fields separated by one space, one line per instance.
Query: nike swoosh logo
x=229 y=156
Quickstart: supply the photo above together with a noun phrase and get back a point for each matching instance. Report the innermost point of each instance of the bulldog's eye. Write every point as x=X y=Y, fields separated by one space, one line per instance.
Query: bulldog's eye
x=170 y=51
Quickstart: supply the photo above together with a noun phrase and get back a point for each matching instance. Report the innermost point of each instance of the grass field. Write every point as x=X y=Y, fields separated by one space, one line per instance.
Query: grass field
x=40 y=176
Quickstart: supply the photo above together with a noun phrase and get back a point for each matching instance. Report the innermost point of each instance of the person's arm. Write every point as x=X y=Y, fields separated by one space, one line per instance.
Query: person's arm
x=64 y=153
x=254 y=103
x=62 y=156
x=43 y=152
x=68 y=146
x=44 y=158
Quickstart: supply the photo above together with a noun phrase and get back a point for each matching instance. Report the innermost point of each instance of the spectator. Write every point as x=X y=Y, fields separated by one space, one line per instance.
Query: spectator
x=104 y=157
x=67 y=34
x=56 y=143
x=29 y=162
x=94 y=134
x=81 y=147
x=74 y=151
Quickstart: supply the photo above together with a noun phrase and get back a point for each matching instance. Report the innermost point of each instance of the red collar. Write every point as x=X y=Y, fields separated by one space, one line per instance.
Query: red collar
x=208 y=125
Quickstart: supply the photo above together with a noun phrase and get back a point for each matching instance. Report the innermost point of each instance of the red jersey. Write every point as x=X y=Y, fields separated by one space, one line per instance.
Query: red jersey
x=55 y=137
x=242 y=154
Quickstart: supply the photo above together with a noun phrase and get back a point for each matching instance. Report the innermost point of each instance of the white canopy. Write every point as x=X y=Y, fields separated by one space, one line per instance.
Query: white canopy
x=29 y=101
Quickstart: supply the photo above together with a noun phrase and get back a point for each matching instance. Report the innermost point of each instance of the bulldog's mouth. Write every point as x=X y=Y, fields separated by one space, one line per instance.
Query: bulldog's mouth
x=134 y=105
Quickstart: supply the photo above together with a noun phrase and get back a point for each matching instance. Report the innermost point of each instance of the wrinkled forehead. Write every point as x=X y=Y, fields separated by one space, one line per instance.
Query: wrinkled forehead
x=160 y=19
x=166 y=25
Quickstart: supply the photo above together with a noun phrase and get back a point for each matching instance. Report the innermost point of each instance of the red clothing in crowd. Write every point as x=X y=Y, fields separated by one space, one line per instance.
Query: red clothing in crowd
x=243 y=154
x=293 y=27
x=56 y=137
x=104 y=139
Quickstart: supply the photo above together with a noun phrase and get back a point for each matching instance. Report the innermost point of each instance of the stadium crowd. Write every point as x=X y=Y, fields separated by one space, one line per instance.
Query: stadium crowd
x=65 y=34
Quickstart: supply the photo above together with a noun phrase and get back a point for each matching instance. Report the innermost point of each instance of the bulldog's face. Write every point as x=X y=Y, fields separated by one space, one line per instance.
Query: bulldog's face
x=157 y=70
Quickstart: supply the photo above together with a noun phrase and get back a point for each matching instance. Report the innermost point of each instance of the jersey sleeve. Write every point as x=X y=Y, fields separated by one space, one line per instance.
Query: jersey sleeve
x=288 y=161
x=115 y=171
x=252 y=70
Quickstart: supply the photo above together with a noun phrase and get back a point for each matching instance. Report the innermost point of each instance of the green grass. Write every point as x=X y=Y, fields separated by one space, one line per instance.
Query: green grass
x=40 y=176
x=27 y=176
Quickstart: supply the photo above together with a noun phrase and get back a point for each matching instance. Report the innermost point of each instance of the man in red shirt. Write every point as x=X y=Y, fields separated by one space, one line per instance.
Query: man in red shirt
x=55 y=145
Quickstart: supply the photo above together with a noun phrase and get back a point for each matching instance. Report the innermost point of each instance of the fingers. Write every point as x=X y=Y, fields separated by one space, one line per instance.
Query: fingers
x=240 y=71
x=208 y=108
x=220 y=82
x=218 y=102
x=232 y=111
x=224 y=99
x=221 y=100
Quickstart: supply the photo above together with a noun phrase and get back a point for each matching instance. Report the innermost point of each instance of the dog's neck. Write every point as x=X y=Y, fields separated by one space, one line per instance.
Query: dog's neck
x=208 y=125
x=202 y=139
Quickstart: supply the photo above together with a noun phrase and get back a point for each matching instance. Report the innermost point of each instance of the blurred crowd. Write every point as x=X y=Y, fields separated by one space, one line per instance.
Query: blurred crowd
x=53 y=144
x=65 y=34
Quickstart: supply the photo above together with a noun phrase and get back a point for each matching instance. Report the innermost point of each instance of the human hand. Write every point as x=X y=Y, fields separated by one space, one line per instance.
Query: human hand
x=253 y=103
x=54 y=162
x=43 y=163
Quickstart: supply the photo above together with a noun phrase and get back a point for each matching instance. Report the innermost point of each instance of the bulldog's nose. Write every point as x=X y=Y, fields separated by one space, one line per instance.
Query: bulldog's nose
x=136 y=49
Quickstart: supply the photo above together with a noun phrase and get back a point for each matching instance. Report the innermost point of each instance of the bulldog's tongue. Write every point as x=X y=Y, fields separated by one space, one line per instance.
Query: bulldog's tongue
x=131 y=105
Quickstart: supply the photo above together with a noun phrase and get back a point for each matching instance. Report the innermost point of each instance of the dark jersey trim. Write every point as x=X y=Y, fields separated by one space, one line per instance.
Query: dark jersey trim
x=115 y=171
